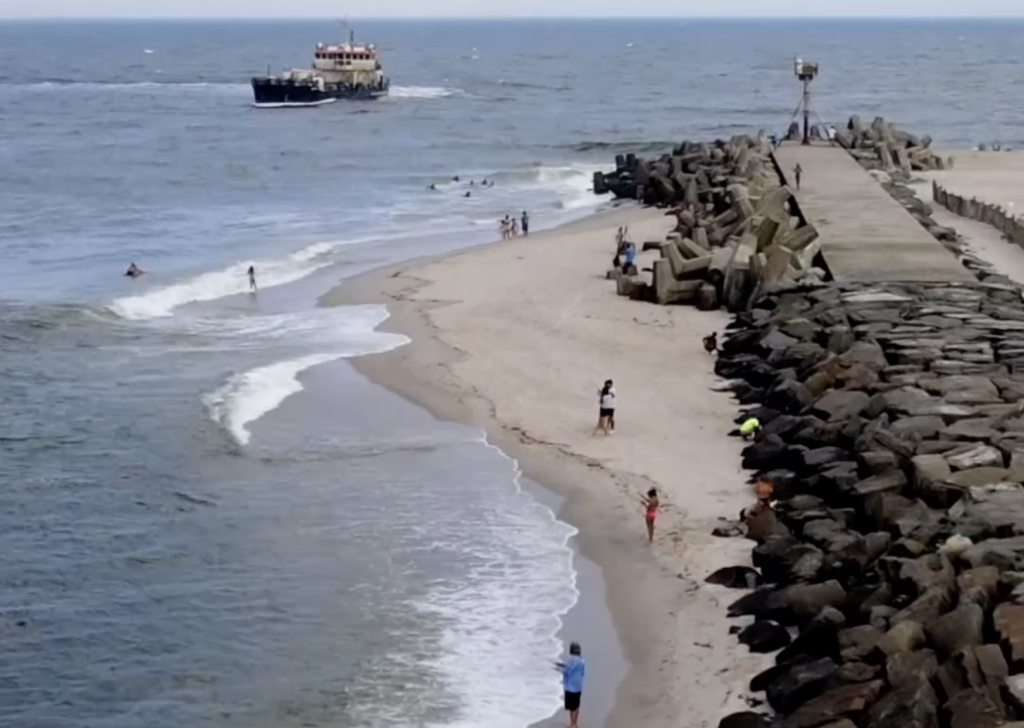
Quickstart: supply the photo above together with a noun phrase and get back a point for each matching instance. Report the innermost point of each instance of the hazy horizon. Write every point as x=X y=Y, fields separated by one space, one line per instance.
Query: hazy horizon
x=498 y=9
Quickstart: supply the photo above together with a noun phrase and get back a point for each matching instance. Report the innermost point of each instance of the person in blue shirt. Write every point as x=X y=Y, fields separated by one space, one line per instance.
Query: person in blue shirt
x=573 y=671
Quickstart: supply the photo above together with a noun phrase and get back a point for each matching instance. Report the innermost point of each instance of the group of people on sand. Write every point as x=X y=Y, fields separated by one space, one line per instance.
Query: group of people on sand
x=510 y=227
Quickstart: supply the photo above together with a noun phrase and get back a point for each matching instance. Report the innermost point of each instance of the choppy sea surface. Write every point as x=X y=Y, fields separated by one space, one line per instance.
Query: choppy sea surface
x=206 y=517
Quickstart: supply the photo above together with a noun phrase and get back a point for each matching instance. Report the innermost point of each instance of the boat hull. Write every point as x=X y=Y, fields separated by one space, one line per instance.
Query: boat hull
x=280 y=93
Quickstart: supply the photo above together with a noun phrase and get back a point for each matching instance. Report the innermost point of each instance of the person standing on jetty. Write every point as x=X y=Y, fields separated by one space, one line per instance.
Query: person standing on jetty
x=797 y=173
x=606 y=409
x=651 y=504
x=525 y=220
x=573 y=671
x=252 y=278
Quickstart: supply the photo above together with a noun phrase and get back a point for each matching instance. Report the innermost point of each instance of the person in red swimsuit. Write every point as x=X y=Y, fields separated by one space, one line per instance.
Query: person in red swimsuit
x=650 y=502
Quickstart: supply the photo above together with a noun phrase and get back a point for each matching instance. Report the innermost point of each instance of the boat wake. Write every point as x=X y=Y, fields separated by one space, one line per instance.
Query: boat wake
x=294 y=105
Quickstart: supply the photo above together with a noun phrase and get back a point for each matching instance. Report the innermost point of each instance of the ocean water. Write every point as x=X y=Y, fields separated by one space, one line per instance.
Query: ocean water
x=208 y=519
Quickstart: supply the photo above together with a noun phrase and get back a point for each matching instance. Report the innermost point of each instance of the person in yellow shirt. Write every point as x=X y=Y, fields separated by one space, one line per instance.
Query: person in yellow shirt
x=749 y=427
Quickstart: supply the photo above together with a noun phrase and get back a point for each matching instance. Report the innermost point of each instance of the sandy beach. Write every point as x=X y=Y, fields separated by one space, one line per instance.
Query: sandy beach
x=517 y=337
x=995 y=177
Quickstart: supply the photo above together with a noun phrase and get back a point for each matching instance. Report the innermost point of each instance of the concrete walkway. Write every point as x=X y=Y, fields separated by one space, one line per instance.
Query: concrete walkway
x=866 y=235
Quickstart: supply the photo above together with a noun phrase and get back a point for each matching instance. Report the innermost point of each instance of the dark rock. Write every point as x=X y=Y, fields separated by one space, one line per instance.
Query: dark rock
x=801 y=328
x=921 y=427
x=892 y=481
x=776 y=340
x=934 y=447
x=974 y=709
x=879 y=617
x=979 y=586
x=860 y=644
x=854 y=672
x=978 y=428
x=908 y=668
x=1008 y=620
x=790 y=396
x=819 y=458
x=785 y=425
x=841 y=340
x=864 y=352
x=849 y=701
x=765 y=454
x=878 y=462
x=800 y=683
x=923 y=524
x=958 y=629
x=911 y=706
x=928 y=607
x=793 y=604
x=736 y=577
x=765 y=636
x=841 y=404
x=746 y=719
x=819 y=638
x=903 y=637
x=1006 y=554
x=897 y=401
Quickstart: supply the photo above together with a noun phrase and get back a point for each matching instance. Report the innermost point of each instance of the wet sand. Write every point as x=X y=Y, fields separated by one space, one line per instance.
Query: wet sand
x=516 y=337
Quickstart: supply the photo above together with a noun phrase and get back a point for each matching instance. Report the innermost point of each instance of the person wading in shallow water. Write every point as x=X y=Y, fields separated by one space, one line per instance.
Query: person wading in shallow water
x=252 y=278
x=651 y=504
x=573 y=671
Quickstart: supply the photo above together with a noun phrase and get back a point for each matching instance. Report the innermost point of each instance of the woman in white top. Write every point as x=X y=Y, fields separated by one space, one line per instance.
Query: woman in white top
x=606 y=404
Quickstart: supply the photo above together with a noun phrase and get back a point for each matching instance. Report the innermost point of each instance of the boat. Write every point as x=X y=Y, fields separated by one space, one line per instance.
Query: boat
x=346 y=71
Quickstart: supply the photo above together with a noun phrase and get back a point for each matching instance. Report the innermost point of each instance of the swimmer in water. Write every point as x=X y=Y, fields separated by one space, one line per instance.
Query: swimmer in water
x=432 y=187
x=468 y=194
x=134 y=271
x=455 y=178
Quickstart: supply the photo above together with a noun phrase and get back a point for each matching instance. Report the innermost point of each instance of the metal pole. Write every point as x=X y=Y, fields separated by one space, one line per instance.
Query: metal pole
x=807 y=111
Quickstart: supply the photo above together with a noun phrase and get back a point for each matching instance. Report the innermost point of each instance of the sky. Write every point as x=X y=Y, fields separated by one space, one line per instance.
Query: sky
x=500 y=8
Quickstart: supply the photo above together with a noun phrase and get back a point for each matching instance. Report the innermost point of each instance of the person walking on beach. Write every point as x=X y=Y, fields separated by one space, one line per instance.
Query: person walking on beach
x=797 y=173
x=573 y=671
x=515 y=228
x=606 y=409
x=503 y=224
x=525 y=224
x=252 y=278
x=651 y=504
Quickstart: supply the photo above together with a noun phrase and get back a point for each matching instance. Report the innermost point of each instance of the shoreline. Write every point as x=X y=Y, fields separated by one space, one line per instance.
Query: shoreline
x=675 y=639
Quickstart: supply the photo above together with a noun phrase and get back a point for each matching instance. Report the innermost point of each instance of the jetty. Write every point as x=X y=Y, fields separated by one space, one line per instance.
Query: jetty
x=866 y=235
x=885 y=365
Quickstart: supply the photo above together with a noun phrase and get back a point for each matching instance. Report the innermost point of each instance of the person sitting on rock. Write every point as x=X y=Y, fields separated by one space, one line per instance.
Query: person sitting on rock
x=749 y=428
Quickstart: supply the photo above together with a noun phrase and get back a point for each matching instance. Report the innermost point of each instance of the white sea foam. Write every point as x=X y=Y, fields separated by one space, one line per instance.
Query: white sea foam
x=294 y=104
x=424 y=92
x=513 y=617
x=230 y=281
x=247 y=396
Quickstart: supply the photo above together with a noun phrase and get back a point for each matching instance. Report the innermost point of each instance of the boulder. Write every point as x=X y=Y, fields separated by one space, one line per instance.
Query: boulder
x=1008 y=620
x=958 y=629
x=921 y=427
x=791 y=605
x=860 y=644
x=878 y=461
x=903 y=637
x=977 y=428
x=892 y=481
x=819 y=638
x=974 y=709
x=850 y=701
x=914 y=705
x=907 y=668
x=979 y=586
x=841 y=404
x=948 y=412
x=1006 y=554
x=745 y=719
x=800 y=683
x=735 y=577
x=976 y=455
x=764 y=636
x=784 y=560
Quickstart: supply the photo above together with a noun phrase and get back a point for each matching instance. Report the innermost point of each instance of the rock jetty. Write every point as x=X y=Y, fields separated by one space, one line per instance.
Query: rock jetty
x=884 y=146
x=893 y=435
x=737 y=226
